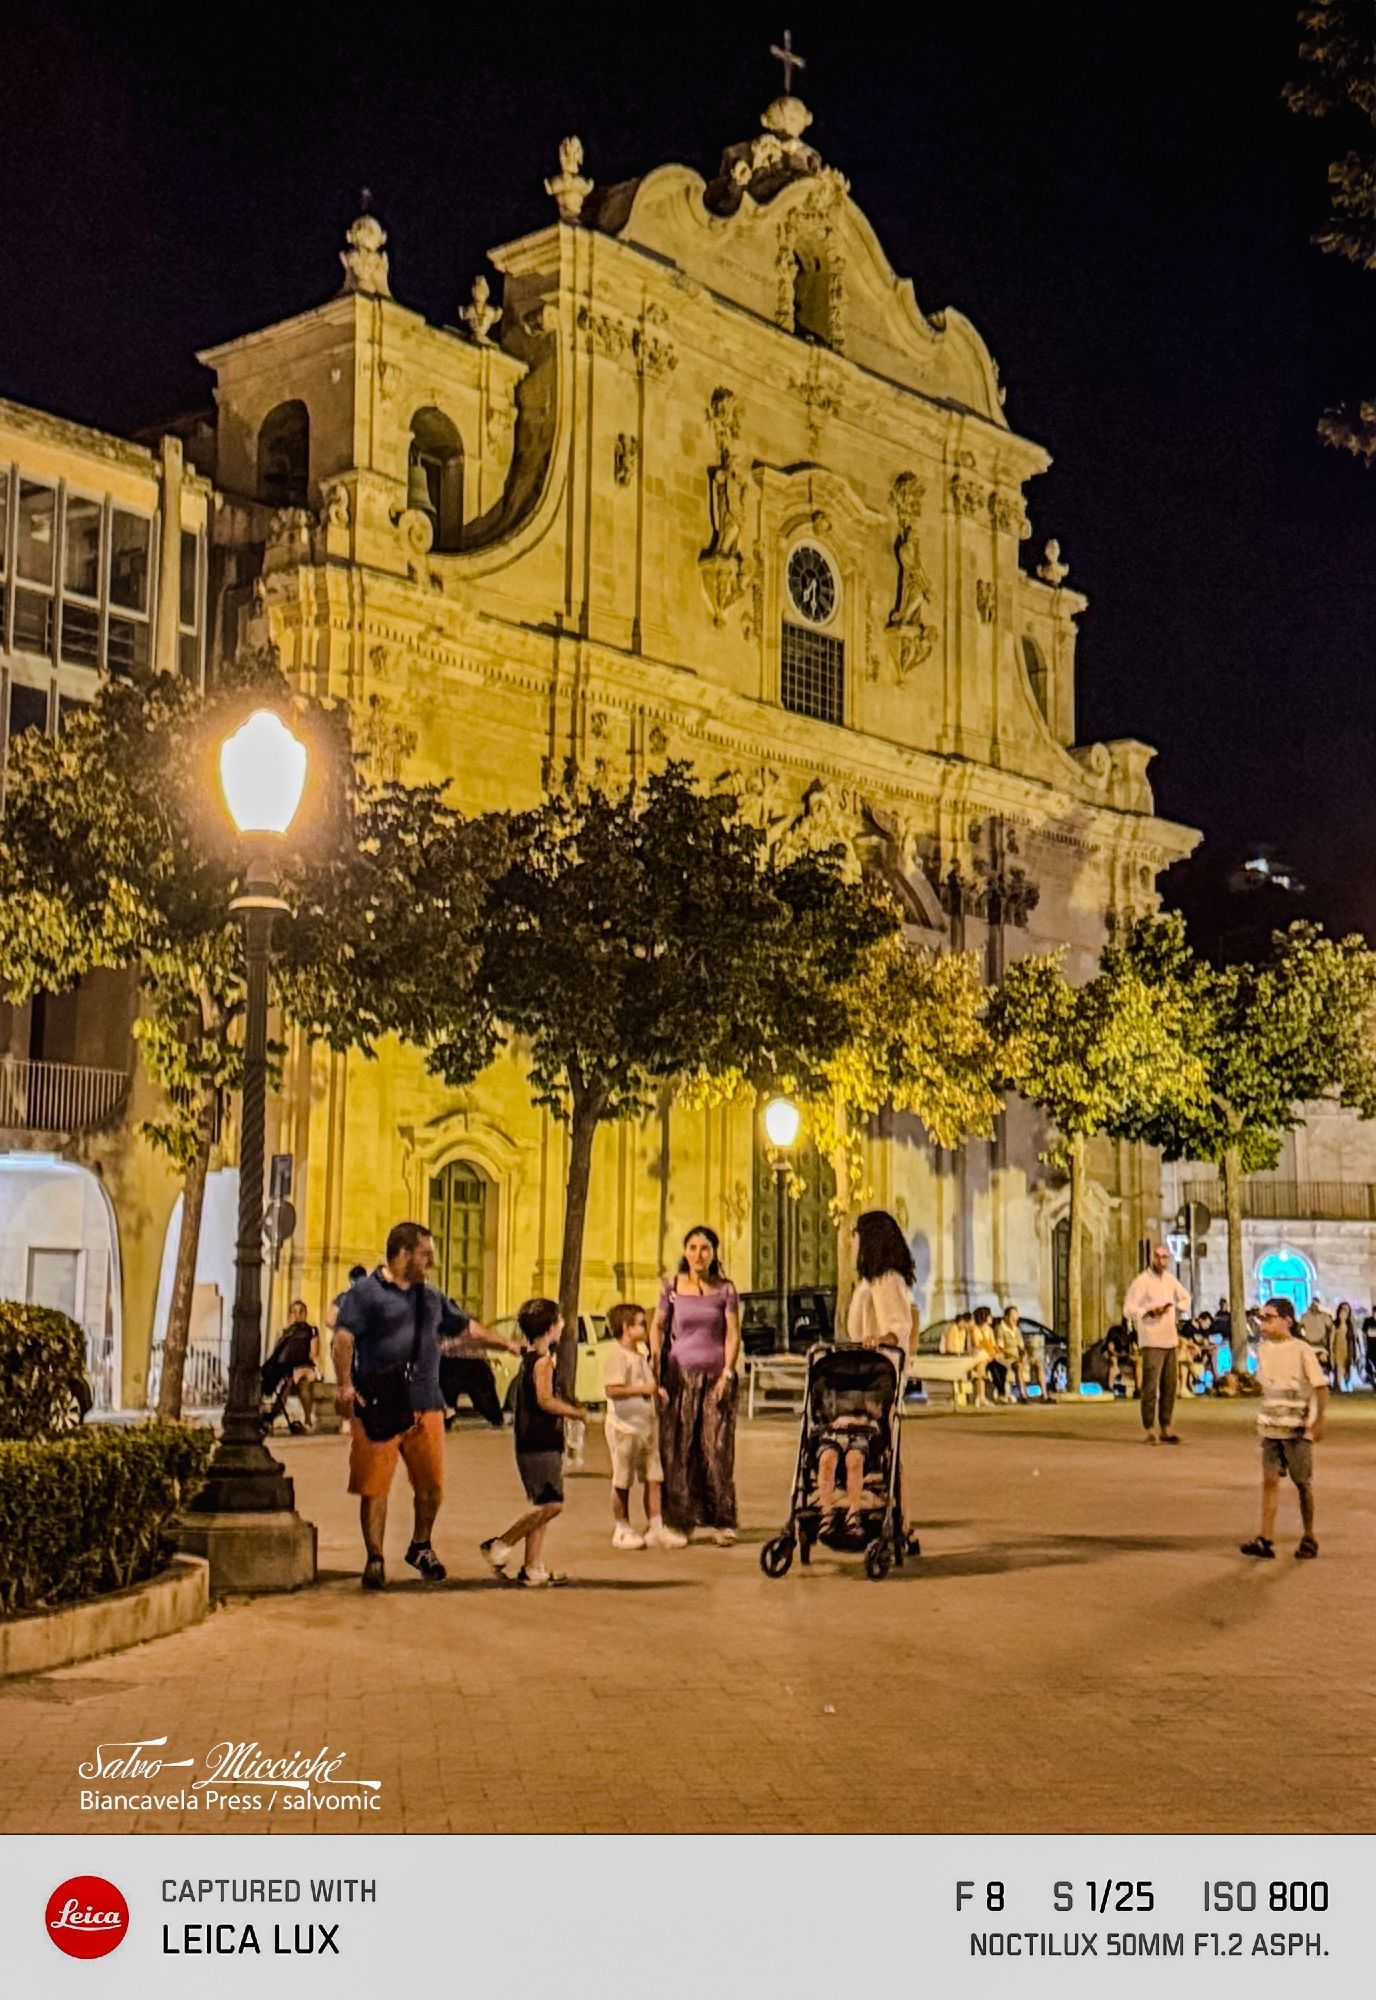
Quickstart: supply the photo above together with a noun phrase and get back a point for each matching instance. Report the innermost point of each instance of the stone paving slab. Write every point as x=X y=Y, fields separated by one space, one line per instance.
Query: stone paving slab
x=1080 y=1648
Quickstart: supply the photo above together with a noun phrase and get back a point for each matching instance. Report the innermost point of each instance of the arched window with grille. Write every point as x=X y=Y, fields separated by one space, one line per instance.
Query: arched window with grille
x=462 y=1201
x=284 y=455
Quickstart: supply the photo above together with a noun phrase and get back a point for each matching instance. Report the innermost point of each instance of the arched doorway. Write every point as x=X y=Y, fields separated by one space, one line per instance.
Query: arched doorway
x=462 y=1222
x=1286 y=1274
x=59 y=1247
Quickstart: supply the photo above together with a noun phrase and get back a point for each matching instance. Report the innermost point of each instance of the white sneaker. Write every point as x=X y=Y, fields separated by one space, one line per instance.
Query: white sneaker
x=498 y=1553
x=725 y=1538
x=539 y=1579
x=660 y=1536
x=625 y=1537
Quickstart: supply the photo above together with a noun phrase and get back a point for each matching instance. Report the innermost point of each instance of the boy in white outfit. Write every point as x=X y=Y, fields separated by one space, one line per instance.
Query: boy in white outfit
x=1294 y=1397
x=633 y=1433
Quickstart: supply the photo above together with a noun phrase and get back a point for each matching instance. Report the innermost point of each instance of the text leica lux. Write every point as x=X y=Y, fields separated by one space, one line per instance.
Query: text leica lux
x=288 y=1940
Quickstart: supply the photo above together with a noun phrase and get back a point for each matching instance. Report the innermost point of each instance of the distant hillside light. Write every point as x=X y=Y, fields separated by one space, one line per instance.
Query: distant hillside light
x=262 y=774
x=781 y=1121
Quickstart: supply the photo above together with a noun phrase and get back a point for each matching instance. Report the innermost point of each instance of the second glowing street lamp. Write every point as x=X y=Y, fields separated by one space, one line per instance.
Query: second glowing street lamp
x=262 y=775
x=782 y=1119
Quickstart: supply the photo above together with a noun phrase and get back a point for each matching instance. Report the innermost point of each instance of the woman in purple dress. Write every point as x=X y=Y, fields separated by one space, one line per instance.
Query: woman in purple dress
x=695 y=1342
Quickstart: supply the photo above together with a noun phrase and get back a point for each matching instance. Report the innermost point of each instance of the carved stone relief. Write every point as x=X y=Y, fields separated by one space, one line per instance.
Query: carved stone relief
x=761 y=797
x=984 y=600
x=625 y=457
x=819 y=390
x=1009 y=515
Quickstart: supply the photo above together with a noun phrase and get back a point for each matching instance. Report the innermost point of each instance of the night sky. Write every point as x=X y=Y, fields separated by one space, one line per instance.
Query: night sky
x=1117 y=198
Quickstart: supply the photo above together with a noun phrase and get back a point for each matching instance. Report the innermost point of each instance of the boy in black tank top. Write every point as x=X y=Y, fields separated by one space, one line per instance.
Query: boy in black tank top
x=540 y=1417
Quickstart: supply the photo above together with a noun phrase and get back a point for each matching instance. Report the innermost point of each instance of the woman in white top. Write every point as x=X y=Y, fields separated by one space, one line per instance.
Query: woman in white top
x=881 y=1309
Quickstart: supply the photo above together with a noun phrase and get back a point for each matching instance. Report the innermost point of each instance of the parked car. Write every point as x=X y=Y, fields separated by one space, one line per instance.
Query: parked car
x=932 y=1340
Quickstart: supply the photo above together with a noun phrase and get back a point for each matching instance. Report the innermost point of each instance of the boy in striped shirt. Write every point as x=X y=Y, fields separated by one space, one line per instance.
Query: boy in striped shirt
x=1294 y=1398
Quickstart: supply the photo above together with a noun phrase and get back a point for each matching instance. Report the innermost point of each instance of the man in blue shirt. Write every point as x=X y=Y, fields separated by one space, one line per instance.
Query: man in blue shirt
x=381 y=1321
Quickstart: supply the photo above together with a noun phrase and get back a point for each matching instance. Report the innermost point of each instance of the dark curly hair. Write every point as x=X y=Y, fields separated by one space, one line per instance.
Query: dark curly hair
x=882 y=1247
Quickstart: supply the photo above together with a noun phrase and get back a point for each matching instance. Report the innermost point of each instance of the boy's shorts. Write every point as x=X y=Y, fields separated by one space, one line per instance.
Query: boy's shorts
x=542 y=1475
x=1292 y=1455
x=421 y=1450
x=635 y=1457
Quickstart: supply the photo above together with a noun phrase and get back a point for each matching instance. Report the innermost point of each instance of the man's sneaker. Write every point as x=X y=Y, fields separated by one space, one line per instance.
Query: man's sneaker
x=421 y=1556
x=660 y=1536
x=1260 y=1545
x=624 y=1536
x=539 y=1579
x=498 y=1553
x=374 y=1574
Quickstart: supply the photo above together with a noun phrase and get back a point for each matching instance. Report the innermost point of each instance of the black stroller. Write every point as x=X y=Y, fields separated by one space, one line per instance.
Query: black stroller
x=293 y=1351
x=846 y=1382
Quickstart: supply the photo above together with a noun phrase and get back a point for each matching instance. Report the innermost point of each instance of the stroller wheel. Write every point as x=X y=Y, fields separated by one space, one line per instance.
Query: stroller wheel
x=297 y=1430
x=878 y=1561
x=776 y=1557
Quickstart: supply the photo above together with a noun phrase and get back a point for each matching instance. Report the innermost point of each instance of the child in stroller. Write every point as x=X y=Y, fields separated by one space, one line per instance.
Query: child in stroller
x=853 y=1435
x=851 y=1418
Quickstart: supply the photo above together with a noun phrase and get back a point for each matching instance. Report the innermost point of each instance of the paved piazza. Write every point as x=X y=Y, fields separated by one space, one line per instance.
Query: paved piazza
x=1079 y=1648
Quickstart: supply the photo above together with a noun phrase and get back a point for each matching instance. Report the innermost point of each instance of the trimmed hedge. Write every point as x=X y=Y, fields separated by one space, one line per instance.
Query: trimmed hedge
x=90 y=1513
x=41 y=1354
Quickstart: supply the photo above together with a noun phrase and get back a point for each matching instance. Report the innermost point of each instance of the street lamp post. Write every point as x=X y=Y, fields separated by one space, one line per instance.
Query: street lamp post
x=244 y=1517
x=781 y=1121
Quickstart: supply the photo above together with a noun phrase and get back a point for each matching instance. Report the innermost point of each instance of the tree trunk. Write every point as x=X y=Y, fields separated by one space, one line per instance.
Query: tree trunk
x=1231 y=1168
x=586 y=1116
x=177 y=1334
x=1075 y=1274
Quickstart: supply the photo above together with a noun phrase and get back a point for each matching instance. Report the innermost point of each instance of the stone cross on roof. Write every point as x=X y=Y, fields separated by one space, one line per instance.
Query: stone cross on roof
x=789 y=60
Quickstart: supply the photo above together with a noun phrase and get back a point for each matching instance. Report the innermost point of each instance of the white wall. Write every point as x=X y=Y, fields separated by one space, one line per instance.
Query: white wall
x=52 y=1204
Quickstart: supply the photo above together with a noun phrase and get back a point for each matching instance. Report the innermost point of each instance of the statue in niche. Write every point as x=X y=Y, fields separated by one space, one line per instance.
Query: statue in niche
x=727 y=570
x=914 y=637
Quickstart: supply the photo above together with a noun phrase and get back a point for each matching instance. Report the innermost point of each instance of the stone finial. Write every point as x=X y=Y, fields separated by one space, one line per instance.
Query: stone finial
x=482 y=315
x=787 y=118
x=570 y=187
x=365 y=260
x=1051 y=569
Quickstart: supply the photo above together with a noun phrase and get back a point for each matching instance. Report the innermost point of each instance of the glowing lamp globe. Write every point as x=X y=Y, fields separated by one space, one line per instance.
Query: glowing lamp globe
x=262 y=774
x=781 y=1121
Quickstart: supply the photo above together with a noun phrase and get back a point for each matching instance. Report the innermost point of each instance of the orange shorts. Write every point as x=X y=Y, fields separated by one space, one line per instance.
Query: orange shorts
x=421 y=1450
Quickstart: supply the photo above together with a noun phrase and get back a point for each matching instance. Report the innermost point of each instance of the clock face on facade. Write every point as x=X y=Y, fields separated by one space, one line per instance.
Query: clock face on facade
x=812 y=584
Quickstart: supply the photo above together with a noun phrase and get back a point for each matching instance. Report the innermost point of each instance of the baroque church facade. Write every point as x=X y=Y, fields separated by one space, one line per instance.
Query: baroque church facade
x=701 y=480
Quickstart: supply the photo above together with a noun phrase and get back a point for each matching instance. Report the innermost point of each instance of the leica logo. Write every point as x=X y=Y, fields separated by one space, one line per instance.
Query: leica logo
x=87 y=1916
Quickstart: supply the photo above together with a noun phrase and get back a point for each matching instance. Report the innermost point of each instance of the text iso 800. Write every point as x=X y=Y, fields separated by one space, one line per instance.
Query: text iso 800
x=1299 y=1896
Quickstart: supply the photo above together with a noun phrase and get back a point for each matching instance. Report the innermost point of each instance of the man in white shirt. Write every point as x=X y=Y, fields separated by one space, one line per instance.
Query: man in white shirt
x=1155 y=1303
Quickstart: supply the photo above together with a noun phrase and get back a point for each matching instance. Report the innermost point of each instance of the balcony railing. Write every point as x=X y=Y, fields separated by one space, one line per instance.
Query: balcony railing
x=56 y=1096
x=1265 y=1200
